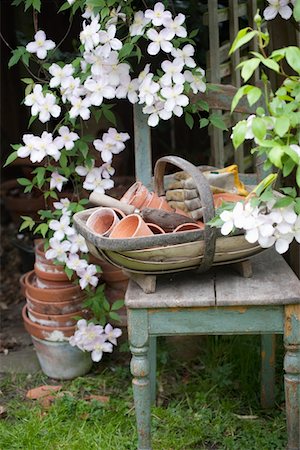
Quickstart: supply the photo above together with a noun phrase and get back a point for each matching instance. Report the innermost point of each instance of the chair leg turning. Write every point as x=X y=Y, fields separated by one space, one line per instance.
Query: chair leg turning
x=292 y=374
x=141 y=393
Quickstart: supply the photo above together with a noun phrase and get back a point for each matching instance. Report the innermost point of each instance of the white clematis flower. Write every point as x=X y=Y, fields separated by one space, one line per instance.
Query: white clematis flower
x=109 y=41
x=172 y=73
x=148 y=90
x=160 y=40
x=112 y=333
x=184 y=55
x=196 y=80
x=139 y=23
x=158 y=15
x=48 y=108
x=73 y=262
x=87 y=276
x=175 y=25
x=35 y=99
x=57 y=181
x=80 y=107
x=89 y=36
x=40 y=45
x=95 y=182
x=278 y=7
x=174 y=97
x=62 y=228
x=78 y=244
x=99 y=90
x=66 y=139
x=59 y=73
x=58 y=249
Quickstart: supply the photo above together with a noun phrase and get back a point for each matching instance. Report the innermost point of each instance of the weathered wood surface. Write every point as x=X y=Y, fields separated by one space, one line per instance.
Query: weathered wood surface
x=174 y=291
x=272 y=283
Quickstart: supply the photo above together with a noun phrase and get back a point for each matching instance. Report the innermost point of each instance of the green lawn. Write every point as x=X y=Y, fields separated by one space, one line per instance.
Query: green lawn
x=202 y=404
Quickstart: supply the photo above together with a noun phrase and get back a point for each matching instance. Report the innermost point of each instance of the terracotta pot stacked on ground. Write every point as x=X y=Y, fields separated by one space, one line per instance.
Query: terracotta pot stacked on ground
x=53 y=304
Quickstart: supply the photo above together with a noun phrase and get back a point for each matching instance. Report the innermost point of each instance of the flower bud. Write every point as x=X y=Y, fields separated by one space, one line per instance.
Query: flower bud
x=257 y=18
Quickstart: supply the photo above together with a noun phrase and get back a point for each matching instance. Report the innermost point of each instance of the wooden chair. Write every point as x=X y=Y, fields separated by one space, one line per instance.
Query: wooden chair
x=218 y=302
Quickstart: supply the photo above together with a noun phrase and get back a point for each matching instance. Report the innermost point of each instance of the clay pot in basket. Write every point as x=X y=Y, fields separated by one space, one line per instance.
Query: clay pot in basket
x=226 y=197
x=136 y=195
x=189 y=227
x=103 y=221
x=129 y=227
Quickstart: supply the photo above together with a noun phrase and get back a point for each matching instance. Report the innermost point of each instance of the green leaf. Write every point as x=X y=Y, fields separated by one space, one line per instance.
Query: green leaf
x=273 y=65
x=16 y=55
x=239 y=94
x=65 y=6
x=289 y=191
x=109 y=115
x=31 y=120
x=203 y=122
x=126 y=50
x=282 y=125
x=189 y=120
x=217 y=121
x=248 y=67
x=106 y=305
x=37 y=5
x=42 y=229
x=27 y=80
x=239 y=133
x=24 y=181
x=11 y=158
x=63 y=160
x=40 y=176
x=202 y=104
x=288 y=167
x=243 y=36
x=297 y=206
x=84 y=148
x=282 y=202
x=292 y=154
x=259 y=128
x=292 y=56
x=296 y=12
x=104 y=12
x=28 y=223
x=298 y=176
x=275 y=156
x=254 y=95
x=114 y=316
x=118 y=304
x=69 y=272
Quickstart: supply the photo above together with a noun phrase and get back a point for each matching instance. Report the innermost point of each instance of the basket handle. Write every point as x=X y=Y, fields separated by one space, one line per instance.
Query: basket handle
x=205 y=195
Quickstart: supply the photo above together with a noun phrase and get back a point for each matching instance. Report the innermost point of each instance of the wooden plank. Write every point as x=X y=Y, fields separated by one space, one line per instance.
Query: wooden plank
x=217 y=321
x=174 y=291
x=223 y=14
x=221 y=98
x=273 y=283
x=224 y=50
x=142 y=147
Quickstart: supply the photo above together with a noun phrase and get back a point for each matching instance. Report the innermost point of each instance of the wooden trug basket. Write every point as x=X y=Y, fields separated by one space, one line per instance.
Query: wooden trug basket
x=170 y=252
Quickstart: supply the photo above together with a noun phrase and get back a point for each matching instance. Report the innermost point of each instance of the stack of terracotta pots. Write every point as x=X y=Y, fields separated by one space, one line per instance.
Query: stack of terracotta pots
x=53 y=306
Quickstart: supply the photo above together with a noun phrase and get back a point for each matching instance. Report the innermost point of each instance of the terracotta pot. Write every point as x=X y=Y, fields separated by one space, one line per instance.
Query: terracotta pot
x=226 y=197
x=54 y=320
x=22 y=284
x=136 y=195
x=131 y=226
x=61 y=361
x=43 y=307
x=102 y=221
x=54 y=334
x=156 y=229
x=189 y=227
x=65 y=293
x=50 y=272
x=153 y=201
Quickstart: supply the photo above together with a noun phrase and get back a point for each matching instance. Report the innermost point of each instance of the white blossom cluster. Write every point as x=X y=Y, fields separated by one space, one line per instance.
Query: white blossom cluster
x=95 y=339
x=67 y=245
x=264 y=224
x=281 y=7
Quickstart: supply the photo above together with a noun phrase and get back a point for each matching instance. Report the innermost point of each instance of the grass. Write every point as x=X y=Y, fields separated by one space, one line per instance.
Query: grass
x=201 y=404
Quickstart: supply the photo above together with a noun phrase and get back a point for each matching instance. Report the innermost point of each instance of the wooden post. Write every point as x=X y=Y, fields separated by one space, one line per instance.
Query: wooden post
x=142 y=147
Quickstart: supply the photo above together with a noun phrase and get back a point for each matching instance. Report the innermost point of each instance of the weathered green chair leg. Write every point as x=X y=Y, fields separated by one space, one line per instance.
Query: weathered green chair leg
x=140 y=368
x=292 y=374
x=152 y=361
x=268 y=348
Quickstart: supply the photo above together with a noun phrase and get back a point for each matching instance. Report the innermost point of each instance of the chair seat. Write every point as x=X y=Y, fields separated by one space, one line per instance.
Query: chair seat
x=273 y=283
